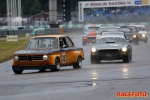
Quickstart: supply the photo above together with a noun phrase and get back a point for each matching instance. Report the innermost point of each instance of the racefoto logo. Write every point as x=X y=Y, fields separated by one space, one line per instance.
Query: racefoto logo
x=131 y=94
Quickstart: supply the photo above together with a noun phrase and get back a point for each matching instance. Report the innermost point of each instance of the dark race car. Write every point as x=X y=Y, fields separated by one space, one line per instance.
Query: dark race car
x=108 y=28
x=131 y=33
x=142 y=32
x=115 y=33
x=111 y=47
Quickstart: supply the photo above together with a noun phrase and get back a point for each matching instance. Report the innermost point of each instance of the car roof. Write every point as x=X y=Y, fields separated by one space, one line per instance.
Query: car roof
x=44 y=36
x=110 y=27
x=114 y=31
x=104 y=36
x=137 y=25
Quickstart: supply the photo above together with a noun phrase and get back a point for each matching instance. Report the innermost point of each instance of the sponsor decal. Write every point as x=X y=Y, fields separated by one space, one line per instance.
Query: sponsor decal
x=63 y=57
x=141 y=2
x=111 y=3
x=131 y=94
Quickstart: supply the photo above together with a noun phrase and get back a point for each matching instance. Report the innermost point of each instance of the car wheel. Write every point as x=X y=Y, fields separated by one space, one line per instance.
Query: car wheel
x=131 y=57
x=18 y=71
x=57 y=65
x=127 y=58
x=78 y=64
x=84 y=43
x=137 y=42
x=94 y=60
x=145 y=41
x=42 y=70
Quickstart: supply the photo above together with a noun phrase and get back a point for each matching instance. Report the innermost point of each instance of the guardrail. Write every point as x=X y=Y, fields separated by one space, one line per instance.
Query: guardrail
x=116 y=24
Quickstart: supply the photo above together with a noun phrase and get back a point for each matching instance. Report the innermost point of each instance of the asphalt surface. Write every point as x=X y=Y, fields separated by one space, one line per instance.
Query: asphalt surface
x=91 y=82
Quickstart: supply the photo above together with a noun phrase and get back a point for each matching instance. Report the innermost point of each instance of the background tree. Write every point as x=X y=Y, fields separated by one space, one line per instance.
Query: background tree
x=31 y=7
x=36 y=8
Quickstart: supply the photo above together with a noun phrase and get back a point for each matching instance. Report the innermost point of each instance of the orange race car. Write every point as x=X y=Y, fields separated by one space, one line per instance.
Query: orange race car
x=48 y=52
x=90 y=33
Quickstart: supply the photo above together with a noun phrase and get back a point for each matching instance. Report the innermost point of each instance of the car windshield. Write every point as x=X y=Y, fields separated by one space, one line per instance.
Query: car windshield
x=43 y=43
x=107 y=40
x=112 y=33
x=125 y=29
x=90 y=29
x=140 y=28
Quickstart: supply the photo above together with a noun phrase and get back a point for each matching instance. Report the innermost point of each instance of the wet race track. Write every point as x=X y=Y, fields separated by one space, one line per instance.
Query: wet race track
x=92 y=82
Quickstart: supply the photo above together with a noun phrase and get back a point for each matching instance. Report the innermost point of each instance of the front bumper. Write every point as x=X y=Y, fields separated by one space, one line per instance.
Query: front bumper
x=32 y=67
x=142 y=38
x=109 y=56
x=89 y=39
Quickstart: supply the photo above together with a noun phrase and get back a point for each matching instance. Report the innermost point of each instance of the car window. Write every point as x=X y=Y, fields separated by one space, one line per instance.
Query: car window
x=62 y=42
x=141 y=29
x=41 y=43
x=109 y=33
x=69 y=42
x=107 y=40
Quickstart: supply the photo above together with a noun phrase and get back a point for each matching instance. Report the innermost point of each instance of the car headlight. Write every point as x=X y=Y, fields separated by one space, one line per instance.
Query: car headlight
x=143 y=35
x=84 y=38
x=16 y=58
x=45 y=57
x=124 y=49
x=97 y=36
x=134 y=36
x=93 y=50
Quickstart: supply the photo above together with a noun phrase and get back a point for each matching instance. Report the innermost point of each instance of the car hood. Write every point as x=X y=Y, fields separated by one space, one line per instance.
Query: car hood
x=110 y=46
x=34 y=52
x=90 y=34
x=142 y=32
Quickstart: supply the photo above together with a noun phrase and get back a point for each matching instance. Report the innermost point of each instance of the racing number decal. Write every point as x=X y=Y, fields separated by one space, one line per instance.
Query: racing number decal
x=63 y=57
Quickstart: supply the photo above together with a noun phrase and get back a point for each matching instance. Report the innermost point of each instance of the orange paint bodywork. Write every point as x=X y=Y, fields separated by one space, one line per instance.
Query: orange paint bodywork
x=71 y=56
x=90 y=37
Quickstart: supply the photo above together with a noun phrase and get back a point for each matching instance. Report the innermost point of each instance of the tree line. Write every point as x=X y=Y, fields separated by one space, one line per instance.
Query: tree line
x=31 y=7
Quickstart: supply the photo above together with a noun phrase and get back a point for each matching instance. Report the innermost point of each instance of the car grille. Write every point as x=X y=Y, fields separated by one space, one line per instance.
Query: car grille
x=129 y=35
x=31 y=57
x=92 y=38
x=109 y=51
x=23 y=58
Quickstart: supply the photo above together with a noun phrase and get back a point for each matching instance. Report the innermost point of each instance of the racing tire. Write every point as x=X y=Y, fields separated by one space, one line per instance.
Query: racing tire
x=42 y=70
x=57 y=65
x=84 y=43
x=145 y=41
x=127 y=58
x=18 y=71
x=94 y=60
x=137 y=42
x=78 y=64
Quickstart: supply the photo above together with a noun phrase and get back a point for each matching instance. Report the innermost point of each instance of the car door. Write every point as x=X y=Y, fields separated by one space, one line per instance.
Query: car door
x=64 y=56
x=73 y=51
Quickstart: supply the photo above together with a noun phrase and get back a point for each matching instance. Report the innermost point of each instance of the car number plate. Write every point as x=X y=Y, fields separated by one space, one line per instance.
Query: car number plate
x=108 y=55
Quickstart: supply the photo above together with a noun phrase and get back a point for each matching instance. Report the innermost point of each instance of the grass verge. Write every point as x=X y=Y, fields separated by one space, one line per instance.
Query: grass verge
x=7 y=49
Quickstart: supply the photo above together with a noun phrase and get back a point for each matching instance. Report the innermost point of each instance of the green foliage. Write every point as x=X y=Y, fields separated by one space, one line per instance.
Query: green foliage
x=31 y=7
x=3 y=7
x=36 y=7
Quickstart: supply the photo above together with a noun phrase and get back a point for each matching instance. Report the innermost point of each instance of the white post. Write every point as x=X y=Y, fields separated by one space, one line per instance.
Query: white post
x=13 y=11
x=53 y=10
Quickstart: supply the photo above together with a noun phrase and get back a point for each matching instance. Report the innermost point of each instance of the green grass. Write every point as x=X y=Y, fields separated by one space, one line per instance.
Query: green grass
x=7 y=49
